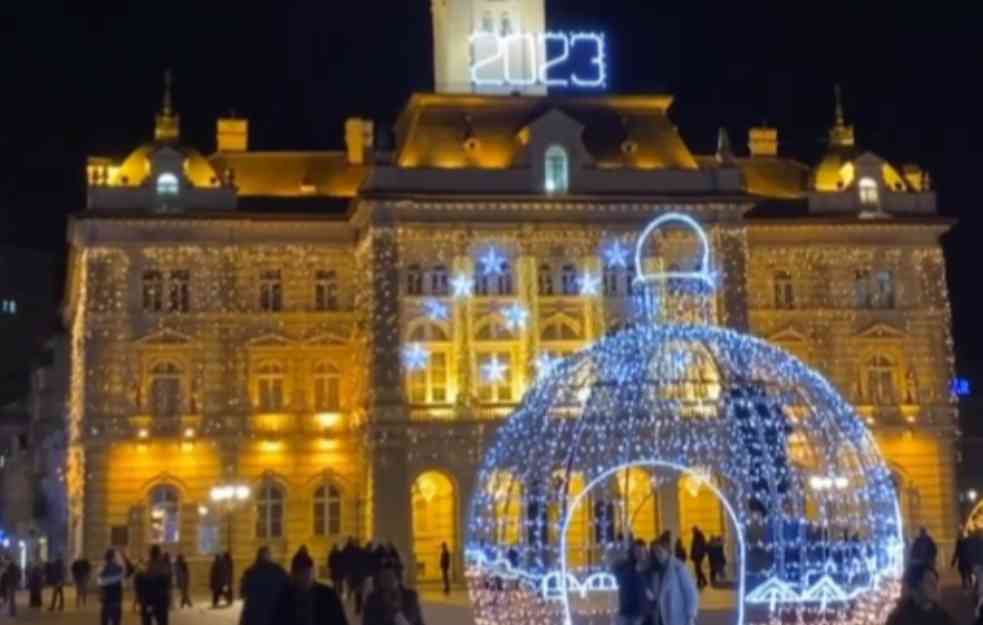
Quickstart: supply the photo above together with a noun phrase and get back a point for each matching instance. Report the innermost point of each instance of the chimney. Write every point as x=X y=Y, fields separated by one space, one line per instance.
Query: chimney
x=763 y=141
x=359 y=138
x=232 y=134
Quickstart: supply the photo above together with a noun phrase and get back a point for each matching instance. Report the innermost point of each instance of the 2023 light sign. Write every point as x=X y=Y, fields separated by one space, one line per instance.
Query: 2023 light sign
x=552 y=59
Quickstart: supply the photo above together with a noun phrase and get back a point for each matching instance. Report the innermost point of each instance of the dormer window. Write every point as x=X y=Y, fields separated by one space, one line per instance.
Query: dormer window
x=167 y=184
x=557 y=170
x=868 y=192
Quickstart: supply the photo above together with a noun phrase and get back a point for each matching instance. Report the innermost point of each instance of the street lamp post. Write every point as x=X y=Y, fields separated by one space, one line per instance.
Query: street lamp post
x=229 y=497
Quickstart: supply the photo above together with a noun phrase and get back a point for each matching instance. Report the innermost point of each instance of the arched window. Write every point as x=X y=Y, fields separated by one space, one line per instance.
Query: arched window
x=560 y=329
x=165 y=390
x=270 y=380
x=493 y=328
x=165 y=515
x=167 y=184
x=784 y=291
x=545 y=277
x=327 y=384
x=868 y=191
x=327 y=510
x=880 y=374
x=557 y=170
x=269 y=511
x=414 y=280
x=428 y=333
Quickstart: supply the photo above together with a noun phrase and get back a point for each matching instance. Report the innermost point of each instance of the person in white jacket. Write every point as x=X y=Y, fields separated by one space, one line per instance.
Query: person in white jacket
x=672 y=590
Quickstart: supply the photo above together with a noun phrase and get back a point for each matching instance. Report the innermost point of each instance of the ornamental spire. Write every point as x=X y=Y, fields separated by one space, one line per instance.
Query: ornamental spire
x=167 y=127
x=840 y=135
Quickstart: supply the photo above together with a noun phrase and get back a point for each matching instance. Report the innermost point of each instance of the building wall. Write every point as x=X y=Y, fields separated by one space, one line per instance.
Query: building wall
x=382 y=438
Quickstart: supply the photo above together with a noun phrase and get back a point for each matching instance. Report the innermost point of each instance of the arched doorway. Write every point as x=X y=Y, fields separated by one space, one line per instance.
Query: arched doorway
x=568 y=595
x=974 y=522
x=434 y=503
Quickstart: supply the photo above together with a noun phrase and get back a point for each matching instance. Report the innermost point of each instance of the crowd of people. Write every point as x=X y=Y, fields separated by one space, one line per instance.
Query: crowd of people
x=368 y=576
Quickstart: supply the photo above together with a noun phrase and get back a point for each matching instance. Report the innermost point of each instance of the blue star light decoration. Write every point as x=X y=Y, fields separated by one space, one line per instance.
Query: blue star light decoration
x=462 y=285
x=590 y=285
x=492 y=262
x=494 y=370
x=416 y=357
x=616 y=255
x=435 y=310
x=515 y=317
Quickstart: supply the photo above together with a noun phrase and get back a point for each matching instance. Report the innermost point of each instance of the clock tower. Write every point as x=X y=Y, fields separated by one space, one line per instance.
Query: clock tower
x=456 y=50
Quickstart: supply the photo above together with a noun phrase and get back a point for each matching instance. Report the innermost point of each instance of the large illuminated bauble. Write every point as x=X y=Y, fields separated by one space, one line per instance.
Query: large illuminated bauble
x=814 y=519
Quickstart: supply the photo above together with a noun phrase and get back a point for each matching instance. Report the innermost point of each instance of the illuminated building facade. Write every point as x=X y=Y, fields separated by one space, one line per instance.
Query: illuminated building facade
x=344 y=331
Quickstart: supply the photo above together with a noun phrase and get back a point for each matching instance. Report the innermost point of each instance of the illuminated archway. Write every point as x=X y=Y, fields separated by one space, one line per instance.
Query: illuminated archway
x=974 y=522
x=434 y=512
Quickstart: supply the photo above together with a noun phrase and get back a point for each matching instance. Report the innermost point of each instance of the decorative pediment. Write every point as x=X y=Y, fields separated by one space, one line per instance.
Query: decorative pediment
x=326 y=340
x=271 y=340
x=165 y=338
x=790 y=334
x=880 y=332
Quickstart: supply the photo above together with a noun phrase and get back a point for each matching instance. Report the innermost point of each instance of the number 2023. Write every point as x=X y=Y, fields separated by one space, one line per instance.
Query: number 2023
x=506 y=48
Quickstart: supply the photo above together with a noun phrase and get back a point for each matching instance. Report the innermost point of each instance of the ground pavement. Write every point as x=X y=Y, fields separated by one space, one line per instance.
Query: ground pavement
x=438 y=610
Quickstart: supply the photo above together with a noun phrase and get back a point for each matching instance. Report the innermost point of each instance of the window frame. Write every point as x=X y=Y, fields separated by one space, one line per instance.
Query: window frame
x=270 y=291
x=270 y=510
x=269 y=375
x=326 y=290
x=158 y=498
x=329 y=506
x=325 y=376
x=556 y=175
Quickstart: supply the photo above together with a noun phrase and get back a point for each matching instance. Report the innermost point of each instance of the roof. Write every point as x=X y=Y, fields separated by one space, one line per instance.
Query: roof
x=136 y=167
x=433 y=130
x=292 y=174
x=768 y=176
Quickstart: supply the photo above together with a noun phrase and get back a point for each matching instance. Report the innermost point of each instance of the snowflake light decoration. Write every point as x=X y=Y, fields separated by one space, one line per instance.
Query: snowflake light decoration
x=748 y=422
x=415 y=357
x=589 y=284
x=492 y=262
x=494 y=370
x=545 y=365
x=435 y=310
x=515 y=317
x=462 y=285
x=616 y=255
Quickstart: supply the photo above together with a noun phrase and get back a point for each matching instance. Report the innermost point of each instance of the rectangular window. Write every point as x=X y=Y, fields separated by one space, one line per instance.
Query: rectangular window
x=179 y=291
x=153 y=291
x=325 y=291
x=326 y=395
x=270 y=394
x=439 y=281
x=429 y=385
x=569 y=280
x=495 y=377
x=334 y=517
x=270 y=291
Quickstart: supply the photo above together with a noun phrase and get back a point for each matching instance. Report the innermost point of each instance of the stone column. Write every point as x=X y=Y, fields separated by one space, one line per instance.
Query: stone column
x=385 y=389
x=669 y=507
x=391 y=499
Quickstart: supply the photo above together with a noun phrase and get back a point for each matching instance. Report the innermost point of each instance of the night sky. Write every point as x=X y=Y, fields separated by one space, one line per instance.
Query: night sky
x=85 y=78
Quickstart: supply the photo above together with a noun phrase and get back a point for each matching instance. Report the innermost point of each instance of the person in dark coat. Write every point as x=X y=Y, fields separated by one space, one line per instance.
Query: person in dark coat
x=697 y=553
x=349 y=559
x=228 y=578
x=81 y=571
x=362 y=567
x=718 y=561
x=445 y=567
x=680 y=550
x=11 y=582
x=182 y=577
x=304 y=601
x=961 y=559
x=35 y=583
x=919 y=605
x=110 y=581
x=261 y=586
x=336 y=569
x=216 y=577
x=154 y=588
x=56 y=579
x=924 y=550
x=632 y=577
x=396 y=561
x=392 y=604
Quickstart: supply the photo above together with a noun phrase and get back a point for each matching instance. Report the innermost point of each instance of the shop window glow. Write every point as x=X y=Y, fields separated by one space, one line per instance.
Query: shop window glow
x=813 y=526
